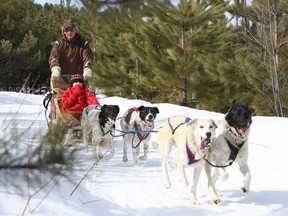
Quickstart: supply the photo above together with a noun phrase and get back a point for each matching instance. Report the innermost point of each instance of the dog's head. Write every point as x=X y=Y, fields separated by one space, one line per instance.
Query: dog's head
x=203 y=131
x=239 y=118
x=147 y=115
x=108 y=114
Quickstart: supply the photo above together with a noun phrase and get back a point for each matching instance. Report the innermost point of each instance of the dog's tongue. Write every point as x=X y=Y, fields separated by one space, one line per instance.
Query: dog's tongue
x=150 y=124
x=241 y=131
x=204 y=143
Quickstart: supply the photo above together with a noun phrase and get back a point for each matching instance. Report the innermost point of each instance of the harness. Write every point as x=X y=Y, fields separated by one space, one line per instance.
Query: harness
x=190 y=155
x=174 y=129
x=101 y=125
x=234 y=152
x=141 y=135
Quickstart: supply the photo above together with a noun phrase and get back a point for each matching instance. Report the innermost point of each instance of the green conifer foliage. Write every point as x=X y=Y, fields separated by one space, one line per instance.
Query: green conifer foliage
x=174 y=38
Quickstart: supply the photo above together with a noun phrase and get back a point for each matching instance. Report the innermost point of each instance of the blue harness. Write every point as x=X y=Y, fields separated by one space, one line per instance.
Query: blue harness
x=190 y=155
x=174 y=129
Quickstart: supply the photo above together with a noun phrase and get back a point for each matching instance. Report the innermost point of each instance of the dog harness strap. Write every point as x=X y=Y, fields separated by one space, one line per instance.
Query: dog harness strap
x=234 y=150
x=171 y=127
x=190 y=155
x=232 y=157
x=127 y=117
x=140 y=137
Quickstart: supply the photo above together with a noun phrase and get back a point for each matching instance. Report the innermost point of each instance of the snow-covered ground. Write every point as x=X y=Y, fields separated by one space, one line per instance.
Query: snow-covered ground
x=117 y=188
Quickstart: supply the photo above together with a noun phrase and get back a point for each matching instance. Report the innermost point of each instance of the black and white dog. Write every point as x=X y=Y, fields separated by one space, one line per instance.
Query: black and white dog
x=98 y=124
x=139 y=121
x=230 y=144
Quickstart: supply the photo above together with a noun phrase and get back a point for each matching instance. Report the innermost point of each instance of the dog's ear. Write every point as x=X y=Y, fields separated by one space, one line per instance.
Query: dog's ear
x=140 y=108
x=104 y=107
x=214 y=124
x=192 y=121
x=233 y=105
x=116 y=108
x=156 y=110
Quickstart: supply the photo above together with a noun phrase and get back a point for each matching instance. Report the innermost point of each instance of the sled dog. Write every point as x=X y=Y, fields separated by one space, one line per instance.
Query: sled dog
x=230 y=144
x=192 y=138
x=98 y=125
x=138 y=120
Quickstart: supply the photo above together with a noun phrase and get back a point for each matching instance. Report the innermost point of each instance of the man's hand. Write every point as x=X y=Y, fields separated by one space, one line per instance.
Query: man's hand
x=56 y=73
x=87 y=73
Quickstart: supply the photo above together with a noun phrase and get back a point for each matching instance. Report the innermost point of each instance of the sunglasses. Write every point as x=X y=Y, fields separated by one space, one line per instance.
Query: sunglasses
x=69 y=29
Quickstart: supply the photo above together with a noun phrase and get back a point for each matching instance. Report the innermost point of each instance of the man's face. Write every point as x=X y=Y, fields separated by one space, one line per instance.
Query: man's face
x=69 y=33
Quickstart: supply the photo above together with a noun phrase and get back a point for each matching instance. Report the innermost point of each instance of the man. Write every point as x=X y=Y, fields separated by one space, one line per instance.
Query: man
x=70 y=55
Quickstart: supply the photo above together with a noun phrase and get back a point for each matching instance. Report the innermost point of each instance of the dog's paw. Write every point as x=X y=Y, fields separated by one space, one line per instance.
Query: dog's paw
x=245 y=190
x=142 y=158
x=125 y=159
x=194 y=201
x=167 y=184
x=216 y=201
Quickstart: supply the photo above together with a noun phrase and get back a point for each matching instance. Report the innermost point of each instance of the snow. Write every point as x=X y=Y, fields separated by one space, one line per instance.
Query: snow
x=117 y=188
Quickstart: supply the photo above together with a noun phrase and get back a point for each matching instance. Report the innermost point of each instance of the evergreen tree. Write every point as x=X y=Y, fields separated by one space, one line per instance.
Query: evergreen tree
x=115 y=25
x=174 y=38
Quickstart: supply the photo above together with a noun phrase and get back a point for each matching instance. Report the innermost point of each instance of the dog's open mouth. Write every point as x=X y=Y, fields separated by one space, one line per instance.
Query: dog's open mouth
x=242 y=132
x=149 y=123
x=205 y=142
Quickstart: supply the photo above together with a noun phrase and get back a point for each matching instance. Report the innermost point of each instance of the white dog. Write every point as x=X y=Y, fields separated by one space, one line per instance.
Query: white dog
x=141 y=120
x=192 y=138
x=98 y=125
x=230 y=144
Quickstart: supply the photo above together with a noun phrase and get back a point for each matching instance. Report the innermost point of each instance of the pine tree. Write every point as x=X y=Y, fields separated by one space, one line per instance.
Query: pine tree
x=115 y=25
x=173 y=40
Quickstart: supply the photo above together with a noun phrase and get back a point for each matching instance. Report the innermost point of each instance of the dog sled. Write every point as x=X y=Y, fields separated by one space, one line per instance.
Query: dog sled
x=67 y=125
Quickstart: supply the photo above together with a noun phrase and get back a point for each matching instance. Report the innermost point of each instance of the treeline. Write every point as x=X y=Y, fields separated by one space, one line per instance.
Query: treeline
x=199 y=54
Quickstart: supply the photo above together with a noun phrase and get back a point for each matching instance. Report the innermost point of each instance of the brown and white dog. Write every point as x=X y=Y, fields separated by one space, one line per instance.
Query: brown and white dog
x=192 y=138
x=98 y=125
x=137 y=124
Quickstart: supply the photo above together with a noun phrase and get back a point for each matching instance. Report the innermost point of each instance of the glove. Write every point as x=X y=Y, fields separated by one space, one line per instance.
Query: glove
x=77 y=90
x=56 y=72
x=87 y=73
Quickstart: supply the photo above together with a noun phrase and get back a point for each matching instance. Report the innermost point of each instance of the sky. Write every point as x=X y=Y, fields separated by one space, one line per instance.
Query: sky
x=42 y=2
x=115 y=188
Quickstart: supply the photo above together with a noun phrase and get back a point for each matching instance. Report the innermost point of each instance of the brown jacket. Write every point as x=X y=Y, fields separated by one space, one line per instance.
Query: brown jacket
x=72 y=57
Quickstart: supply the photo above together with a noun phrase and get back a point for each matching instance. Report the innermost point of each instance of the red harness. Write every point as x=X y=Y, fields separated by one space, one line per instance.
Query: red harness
x=191 y=156
x=136 y=126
